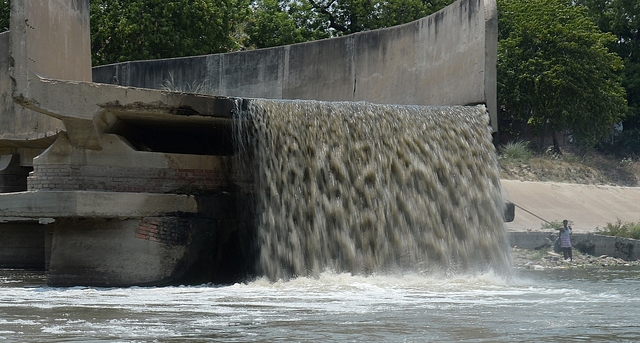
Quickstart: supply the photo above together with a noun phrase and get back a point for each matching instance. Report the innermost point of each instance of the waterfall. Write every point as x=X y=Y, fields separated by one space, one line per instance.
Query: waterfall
x=365 y=188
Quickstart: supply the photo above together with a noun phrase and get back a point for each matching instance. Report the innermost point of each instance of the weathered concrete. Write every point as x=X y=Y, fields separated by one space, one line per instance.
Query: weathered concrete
x=113 y=106
x=49 y=38
x=145 y=251
x=588 y=206
x=448 y=58
x=66 y=204
x=21 y=128
x=118 y=167
x=594 y=244
x=115 y=181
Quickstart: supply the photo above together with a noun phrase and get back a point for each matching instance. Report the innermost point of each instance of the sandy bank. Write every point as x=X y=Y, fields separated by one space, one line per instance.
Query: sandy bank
x=588 y=206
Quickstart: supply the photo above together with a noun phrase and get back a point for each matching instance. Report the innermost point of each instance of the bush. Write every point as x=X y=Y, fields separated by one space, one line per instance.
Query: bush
x=515 y=152
x=621 y=229
x=170 y=85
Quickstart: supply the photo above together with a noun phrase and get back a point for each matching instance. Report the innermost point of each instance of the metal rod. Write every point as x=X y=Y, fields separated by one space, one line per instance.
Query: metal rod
x=533 y=214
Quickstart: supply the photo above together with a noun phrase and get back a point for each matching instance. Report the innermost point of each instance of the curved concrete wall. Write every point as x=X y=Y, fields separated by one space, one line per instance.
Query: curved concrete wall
x=448 y=58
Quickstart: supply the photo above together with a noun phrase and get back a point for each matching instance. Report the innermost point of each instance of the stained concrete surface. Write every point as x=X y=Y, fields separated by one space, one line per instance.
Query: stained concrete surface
x=589 y=207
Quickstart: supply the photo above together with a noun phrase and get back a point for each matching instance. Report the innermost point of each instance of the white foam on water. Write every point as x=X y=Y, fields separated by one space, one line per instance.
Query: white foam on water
x=329 y=307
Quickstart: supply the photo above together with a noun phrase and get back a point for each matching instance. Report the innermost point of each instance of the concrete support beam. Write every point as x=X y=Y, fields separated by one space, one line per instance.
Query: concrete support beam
x=120 y=168
x=81 y=204
x=86 y=121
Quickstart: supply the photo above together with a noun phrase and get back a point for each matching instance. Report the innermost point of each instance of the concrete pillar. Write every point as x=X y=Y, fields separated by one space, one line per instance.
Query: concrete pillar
x=144 y=251
x=50 y=38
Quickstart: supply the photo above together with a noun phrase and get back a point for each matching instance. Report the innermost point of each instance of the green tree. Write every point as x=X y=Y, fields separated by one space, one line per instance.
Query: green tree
x=149 y=29
x=555 y=72
x=313 y=19
x=273 y=24
x=622 y=18
x=5 y=10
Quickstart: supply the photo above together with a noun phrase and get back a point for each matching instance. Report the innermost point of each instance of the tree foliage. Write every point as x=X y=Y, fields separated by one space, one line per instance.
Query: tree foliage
x=148 y=29
x=555 y=72
x=290 y=21
x=274 y=24
x=5 y=10
x=124 y=30
x=622 y=18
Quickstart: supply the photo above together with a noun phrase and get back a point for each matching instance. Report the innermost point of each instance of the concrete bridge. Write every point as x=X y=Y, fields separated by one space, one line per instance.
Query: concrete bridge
x=116 y=183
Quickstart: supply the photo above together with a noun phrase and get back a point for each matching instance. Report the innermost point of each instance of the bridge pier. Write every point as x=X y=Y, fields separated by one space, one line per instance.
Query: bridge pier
x=125 y=217
x=142 y=251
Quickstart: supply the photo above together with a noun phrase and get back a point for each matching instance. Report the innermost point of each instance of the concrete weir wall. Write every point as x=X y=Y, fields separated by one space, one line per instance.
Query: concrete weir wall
x=135 y=185
x=448 y=58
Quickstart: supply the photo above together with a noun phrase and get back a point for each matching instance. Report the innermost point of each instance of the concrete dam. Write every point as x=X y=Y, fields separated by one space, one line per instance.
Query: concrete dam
x=366 y=153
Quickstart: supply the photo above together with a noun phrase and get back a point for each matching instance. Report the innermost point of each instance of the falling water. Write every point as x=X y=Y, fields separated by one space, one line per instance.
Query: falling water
x=365 y=188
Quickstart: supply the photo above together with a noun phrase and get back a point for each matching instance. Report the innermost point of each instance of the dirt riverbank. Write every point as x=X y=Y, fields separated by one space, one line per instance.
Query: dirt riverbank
x=591 y=191
x=547 y=258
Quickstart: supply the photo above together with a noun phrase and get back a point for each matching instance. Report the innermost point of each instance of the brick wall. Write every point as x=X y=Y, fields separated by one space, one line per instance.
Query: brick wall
x=168 y=230
x=177 y=230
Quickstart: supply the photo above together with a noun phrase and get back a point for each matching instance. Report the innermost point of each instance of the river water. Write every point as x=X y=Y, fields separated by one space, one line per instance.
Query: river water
x=570 y=305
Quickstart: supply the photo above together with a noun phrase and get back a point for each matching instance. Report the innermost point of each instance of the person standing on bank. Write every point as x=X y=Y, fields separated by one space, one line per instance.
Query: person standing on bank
x=565 y=240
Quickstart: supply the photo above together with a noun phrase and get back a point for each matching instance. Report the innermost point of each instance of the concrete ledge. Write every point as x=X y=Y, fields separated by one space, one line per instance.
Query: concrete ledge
x=597 y=245
x=81 y=204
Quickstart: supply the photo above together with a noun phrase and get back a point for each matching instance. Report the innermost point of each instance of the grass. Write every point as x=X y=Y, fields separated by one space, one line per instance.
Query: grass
x=515 y=152
x=519 y=162
x=170 y=85
x=539 y=254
